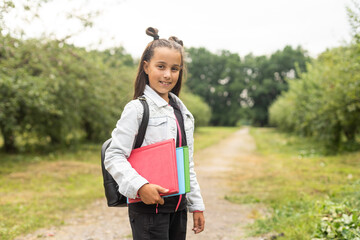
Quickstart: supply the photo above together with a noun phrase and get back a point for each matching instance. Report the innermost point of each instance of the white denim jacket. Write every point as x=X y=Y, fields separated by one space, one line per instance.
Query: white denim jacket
x=162 y=126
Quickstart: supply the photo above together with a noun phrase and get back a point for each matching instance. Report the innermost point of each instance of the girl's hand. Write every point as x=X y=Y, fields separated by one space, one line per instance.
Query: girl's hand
x=150 y=194
x=199 y=222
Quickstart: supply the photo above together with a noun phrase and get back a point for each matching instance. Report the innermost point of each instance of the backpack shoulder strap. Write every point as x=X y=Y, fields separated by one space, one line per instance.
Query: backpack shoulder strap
x=105 y=145
x=141 y=133
x=144 y=123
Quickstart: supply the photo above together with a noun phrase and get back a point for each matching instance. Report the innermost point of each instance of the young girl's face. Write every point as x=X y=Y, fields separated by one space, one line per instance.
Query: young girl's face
x=163 y=70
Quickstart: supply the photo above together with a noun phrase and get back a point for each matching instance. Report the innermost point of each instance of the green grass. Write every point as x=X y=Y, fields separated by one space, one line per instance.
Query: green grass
x=207 y=136
x=294 y=181
x=39 y=190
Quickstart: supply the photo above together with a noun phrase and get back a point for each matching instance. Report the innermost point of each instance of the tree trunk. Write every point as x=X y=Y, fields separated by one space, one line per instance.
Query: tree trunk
x=89 y=131
x=350 y=133
x=9 y=140
x=55 y=139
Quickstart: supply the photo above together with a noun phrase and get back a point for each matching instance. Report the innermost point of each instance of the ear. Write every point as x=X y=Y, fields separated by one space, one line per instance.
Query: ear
x=146 y=67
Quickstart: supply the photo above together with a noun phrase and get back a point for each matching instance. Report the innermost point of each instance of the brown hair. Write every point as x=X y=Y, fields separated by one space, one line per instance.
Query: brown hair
x=172 y=43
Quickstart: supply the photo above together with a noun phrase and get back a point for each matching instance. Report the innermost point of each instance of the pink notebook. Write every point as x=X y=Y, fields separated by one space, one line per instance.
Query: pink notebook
x=157 y=164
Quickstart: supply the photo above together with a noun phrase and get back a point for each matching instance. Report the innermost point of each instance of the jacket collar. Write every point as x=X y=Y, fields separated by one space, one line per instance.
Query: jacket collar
x=160 y=102
x=151 y=94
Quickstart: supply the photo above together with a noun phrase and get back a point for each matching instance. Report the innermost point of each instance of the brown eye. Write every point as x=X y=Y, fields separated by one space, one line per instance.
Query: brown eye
x=175 y=69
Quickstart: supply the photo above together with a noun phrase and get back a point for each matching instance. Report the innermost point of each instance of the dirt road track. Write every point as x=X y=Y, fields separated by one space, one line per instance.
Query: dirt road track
x=224 y=220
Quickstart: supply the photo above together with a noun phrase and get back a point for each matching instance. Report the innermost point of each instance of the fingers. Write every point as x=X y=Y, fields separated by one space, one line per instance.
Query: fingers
x=161 y=201
x=198 y=228
x=156 y=200
x=195 y=228
x=161 y=189
x=150 y=194
x=199 y=222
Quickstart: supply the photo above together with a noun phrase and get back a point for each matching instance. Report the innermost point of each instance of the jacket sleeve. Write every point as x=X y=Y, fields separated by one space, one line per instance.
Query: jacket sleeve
x=116 y=163
x=195 y=200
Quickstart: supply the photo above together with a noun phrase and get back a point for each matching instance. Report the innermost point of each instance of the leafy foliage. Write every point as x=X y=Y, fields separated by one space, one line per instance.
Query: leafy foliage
x=268 y=77
x=54 y=93
x=242 y=89
x=200 y=110
x=354 y=19
x=324 y=102
x=339 y=221
x=214 y=78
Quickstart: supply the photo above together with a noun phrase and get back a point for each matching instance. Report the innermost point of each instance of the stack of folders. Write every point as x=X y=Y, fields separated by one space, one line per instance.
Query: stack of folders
x=163 y=164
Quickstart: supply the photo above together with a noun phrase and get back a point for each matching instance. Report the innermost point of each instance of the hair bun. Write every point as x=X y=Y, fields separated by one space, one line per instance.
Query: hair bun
x=175 y=39
x=152 y=32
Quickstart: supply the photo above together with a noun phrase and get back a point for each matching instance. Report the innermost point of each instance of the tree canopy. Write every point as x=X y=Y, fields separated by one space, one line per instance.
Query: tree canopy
x=242 y=89
x=324 y=102
x=54 y=93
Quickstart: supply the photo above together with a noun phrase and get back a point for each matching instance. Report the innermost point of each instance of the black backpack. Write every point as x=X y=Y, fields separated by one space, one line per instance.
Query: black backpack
x=113 y=197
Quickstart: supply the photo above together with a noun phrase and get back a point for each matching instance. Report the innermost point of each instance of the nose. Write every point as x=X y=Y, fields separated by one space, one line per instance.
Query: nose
x=167 y=73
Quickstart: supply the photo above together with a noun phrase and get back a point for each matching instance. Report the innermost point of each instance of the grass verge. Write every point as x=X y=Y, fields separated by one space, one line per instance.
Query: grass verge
x=207 y=136
x=39 y=190
x=299 y=185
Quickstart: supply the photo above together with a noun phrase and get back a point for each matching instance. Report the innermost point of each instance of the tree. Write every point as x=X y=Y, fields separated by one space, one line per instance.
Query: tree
x=239 y=89
x=217 y=78
x=354 y=19
x=324 y=103
x=268 y=77
x=56 y=92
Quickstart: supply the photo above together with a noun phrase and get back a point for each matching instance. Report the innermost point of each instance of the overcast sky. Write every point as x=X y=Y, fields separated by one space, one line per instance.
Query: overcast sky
x=256 y=26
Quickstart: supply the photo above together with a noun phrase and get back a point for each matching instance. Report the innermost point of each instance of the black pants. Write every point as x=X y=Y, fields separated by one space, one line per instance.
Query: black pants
x=161 y=226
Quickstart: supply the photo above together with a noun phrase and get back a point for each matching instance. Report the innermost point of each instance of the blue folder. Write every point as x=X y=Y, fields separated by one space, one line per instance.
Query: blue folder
x=181 y=172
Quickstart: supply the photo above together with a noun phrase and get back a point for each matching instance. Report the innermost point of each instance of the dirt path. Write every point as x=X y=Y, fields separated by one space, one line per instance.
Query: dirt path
x=224 y=220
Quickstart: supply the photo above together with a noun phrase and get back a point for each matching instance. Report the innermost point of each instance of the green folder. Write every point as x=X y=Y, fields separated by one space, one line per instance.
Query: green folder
x=186 y=169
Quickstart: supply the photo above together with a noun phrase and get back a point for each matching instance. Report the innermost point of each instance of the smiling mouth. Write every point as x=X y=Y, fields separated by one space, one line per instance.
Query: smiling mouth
x=165 y=83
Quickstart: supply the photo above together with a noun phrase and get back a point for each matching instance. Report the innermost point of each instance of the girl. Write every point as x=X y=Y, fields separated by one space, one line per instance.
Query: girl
x=159 y=80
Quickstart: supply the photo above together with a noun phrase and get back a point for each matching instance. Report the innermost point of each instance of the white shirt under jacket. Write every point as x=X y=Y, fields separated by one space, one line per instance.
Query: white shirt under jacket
x=162 y=126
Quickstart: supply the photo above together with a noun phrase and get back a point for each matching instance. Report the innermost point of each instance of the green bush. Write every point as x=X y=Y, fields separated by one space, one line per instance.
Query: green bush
x=324 y=103
x=200 y=110
x=54 y=93
x=339 y=221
